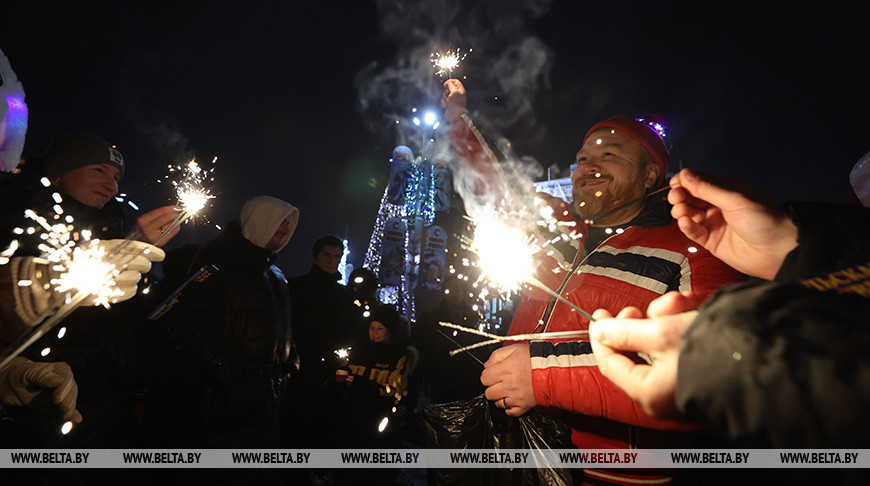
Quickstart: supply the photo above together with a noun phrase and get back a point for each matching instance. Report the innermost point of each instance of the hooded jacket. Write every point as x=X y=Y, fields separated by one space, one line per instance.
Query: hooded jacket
x=232 y=335
x=261 y=217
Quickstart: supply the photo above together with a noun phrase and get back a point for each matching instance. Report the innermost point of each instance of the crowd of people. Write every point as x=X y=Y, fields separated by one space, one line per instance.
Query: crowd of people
x=721 y=317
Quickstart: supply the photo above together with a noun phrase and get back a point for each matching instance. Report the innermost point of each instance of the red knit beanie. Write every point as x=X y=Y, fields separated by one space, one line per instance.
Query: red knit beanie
x=643 y=134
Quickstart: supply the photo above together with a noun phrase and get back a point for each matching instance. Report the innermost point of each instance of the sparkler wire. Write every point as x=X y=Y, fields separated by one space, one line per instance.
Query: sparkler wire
x=629 y=203
x=537 y=283
x=31 y=337
x=181 y=218
x=516 y=337
x=57 y=312
x=462 y=348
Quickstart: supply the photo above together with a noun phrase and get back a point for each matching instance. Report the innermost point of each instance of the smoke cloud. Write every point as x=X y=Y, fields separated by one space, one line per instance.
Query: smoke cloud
x=507 y=65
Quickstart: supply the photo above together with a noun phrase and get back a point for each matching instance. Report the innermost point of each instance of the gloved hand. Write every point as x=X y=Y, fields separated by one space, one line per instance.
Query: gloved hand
x=136 y=256
x=32 y=300
x=24 y=383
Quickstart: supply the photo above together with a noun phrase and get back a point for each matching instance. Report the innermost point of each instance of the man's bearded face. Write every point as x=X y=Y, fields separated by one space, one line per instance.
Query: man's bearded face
x=611 y=170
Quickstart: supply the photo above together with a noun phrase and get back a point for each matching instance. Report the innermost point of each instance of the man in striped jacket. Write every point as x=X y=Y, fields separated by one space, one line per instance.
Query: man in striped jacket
x=631 y=252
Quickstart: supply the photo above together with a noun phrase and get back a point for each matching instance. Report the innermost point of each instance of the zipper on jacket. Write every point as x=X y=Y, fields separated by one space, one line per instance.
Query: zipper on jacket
x=551 y=304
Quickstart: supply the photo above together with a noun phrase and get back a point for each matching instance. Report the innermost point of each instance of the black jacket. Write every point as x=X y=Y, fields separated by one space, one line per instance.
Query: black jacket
x=98 y=344
x=380 y=376
x=450 y=378
x=231 y=333
x=785 y=364
x=323 y=318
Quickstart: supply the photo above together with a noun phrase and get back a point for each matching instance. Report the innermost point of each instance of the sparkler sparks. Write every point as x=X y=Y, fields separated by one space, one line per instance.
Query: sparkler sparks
x=78 y=267
x=343 y=353
x=192 y=194
x=504 y=251
x=447 y=62
x=507 y=246
x=87 y=271
x=191 y=190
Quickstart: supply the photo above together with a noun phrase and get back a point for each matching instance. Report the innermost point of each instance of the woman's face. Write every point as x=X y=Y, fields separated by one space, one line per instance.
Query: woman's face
x=92 y=185
x=378 y=333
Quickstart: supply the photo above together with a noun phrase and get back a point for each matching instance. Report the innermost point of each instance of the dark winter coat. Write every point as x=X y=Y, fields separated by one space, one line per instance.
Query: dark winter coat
x=232 y=336
x=380 y=377
x=450 y=378
x=98 y=343
x=785 y=364
x=323 y=316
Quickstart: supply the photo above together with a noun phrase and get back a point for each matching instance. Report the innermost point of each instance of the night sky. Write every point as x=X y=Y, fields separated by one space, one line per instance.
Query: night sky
x=301 y=101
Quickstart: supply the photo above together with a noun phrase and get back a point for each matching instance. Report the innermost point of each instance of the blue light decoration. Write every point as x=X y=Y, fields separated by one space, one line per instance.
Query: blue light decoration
x=413 y=184
x=13 y=116
x=15 y=121
x=656 y=122
x=342 y=266
x=386 y=211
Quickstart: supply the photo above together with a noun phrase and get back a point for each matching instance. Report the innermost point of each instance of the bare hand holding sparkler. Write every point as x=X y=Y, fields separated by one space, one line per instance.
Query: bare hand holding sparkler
x=454 y=100
x=735 y=222
x=660 y=336
x=508 y=378
x=150 y=227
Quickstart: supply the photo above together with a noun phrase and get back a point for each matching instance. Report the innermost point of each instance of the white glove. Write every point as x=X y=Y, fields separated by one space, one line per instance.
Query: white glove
x=24 y=383
x=136 y=256
x=33 y=299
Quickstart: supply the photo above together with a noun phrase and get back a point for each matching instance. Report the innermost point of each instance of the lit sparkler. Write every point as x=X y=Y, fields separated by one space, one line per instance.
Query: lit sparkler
x=80 y=271
x=343 y=353
x=447 y=62
x=191 y=189
x=504 y=250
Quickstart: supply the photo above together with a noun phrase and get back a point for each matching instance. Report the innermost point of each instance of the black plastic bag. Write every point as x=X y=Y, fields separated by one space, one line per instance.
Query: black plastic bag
x=477 y=424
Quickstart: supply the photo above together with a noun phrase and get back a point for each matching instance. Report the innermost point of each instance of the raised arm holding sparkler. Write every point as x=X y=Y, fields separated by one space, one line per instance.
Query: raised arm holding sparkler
x=632 y=252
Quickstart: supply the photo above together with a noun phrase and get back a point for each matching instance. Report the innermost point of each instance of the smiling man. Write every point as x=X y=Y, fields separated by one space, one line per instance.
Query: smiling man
x=631 y=252
x=85 y=172
x=620 y=161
